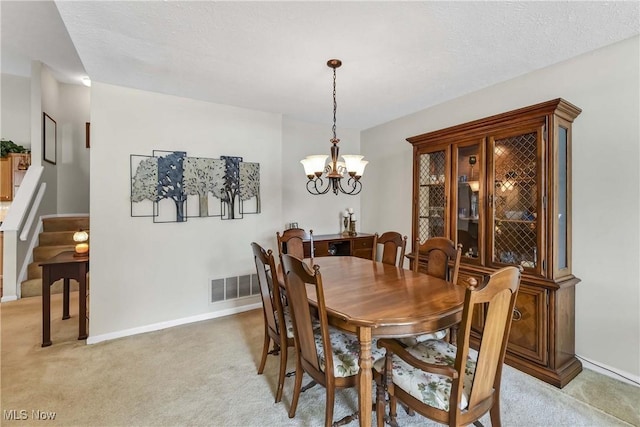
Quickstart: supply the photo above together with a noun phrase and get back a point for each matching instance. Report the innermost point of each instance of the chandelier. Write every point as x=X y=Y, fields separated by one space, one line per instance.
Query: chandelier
x=334 y=171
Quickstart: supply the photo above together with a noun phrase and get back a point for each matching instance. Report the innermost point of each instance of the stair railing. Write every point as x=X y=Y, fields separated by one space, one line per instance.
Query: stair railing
x=20 y=234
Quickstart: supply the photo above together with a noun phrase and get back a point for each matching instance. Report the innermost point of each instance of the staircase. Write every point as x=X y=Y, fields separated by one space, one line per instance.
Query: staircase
x=56 y=237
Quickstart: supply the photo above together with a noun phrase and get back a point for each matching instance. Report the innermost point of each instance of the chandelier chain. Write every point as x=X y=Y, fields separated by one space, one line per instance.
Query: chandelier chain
x=335 y=104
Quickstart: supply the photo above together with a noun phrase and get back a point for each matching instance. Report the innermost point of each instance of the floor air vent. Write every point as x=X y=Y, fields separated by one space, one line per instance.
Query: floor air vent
x=234 y=287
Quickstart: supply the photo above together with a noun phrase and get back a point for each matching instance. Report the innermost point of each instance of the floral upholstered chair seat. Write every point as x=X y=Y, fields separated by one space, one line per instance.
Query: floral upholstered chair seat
x=411 y=341
x=432 y=389
x=289 y=323
x=346 y=352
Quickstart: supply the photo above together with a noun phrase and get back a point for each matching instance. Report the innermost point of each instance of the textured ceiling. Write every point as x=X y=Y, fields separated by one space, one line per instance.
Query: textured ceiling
x=398 y=57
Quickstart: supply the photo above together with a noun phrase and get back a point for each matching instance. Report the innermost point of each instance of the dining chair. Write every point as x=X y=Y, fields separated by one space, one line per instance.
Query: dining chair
x=277 y=322
x=443 y=258
x=291 y=242
x=443 y=261
x=329 y=356
x=391 y=241
x=446 y=383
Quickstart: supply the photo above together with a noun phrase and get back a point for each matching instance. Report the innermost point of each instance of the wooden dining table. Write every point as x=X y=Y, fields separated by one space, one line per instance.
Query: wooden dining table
x=371 y=299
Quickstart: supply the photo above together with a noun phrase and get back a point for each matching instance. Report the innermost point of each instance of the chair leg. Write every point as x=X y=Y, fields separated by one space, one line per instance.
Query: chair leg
x=283 y=369
x=453 y=335
x=494 y=413
x=408 y=409
x=392 y=398
x=328 y=412
x=265 y=350
x=296 y=388
x=392 y=410
x=380 y=401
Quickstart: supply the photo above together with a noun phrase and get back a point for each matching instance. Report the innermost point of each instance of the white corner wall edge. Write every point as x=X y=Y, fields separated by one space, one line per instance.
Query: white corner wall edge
x=171 y=323
x=610 y=372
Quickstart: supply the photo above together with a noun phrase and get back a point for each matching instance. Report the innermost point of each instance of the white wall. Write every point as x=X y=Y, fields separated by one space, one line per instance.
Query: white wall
x=50 y=104
x=322 y=214
x=16 y=125
x=72 y=166
x=606 y=196
x=145 y=273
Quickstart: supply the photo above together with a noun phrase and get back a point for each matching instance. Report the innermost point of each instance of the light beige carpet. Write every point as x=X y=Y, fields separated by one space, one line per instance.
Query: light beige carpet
x=204 y=374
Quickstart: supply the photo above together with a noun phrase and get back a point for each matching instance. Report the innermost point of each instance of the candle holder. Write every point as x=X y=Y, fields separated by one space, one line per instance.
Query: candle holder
x=345 y=221
x=352 y=226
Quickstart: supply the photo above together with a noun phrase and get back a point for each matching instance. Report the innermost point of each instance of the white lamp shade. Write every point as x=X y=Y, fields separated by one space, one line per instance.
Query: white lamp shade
x=360 y=167
x=352 y=161
x=474 y=185
x=80 y=236
x=313 y=164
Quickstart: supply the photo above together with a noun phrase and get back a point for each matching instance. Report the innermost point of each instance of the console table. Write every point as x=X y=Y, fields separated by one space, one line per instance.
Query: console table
x=360 y=245
x=64 y=266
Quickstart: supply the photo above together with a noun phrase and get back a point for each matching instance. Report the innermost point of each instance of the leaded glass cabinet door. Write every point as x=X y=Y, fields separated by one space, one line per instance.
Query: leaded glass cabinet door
x=432 y=187
x=468 y=212
x=516 y=210
x=561 y=202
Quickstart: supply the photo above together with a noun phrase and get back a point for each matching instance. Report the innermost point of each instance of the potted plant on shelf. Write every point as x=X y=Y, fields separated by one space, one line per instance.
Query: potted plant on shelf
x=9 y=146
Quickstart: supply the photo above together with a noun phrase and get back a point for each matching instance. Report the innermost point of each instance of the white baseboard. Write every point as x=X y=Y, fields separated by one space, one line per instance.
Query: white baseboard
x=608 y=371
x=171 y=323
x=9 y=298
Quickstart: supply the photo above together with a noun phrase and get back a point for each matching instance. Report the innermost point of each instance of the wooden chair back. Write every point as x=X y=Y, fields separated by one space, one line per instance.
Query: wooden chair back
x=498 y=296
x=443 y=258
x=391 y=241
x=269 y=288
x=296 y=275
x=273 y=310
x=291 y=242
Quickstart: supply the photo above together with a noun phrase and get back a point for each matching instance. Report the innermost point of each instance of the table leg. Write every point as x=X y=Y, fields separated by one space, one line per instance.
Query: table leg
x=46 y=308
x=65 y=299
x=365 y=377
x=82 y=297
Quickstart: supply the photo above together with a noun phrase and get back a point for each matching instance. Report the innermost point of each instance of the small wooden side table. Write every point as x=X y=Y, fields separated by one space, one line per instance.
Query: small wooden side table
x=64 y=266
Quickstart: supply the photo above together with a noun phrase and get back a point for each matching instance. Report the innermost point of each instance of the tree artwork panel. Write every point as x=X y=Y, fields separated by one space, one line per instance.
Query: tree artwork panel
x=170 y=176
x=203 y=177
x=250 y=185
x=145 y=181
x=144 y=189
x=231 y=188
x=184 y=180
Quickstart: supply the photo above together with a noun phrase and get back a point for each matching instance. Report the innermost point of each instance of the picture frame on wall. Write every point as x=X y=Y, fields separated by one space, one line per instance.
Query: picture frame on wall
x=49 y=141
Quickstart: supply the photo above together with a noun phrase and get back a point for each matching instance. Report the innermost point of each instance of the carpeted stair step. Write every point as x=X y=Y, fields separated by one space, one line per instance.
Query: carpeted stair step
x=70 y=223
x=43 y=253
x=34 y=271
x=54 y=238
x=33 y=287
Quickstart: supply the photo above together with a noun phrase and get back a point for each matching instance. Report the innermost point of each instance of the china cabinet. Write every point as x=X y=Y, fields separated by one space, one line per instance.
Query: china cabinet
x=501 y=187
